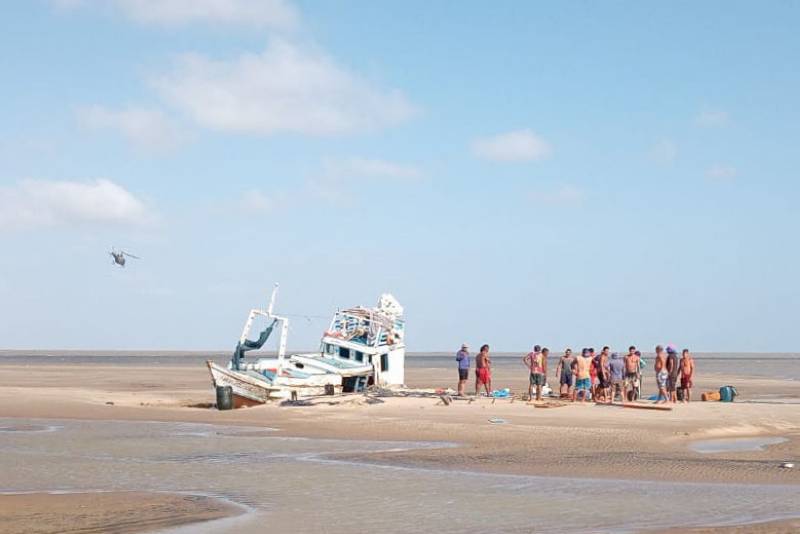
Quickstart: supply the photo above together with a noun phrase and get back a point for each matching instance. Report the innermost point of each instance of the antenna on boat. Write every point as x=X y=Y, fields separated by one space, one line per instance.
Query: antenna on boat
x=272 y=300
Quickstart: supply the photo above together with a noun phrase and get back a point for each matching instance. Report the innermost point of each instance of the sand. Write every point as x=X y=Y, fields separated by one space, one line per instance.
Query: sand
x=580 y=440
x=111 y=512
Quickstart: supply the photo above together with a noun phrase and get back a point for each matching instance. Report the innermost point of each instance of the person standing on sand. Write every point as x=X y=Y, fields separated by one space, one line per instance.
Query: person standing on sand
x=616 y=369
x=687 y=371
x=462 y=357
x=593 y=372
x=564 y=373
x=631 y=374
x=536 y=362
x=584 y=382
x=603 y=379
x=483 y=371
x=673 y=370
x=661 y=375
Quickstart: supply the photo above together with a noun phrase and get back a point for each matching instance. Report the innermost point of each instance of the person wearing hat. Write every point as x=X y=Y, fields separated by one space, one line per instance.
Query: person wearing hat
x=462 y=357
x=616 y=369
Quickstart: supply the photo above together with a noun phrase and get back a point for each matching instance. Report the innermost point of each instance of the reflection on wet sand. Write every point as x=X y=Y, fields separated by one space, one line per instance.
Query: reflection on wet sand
x=311 y=484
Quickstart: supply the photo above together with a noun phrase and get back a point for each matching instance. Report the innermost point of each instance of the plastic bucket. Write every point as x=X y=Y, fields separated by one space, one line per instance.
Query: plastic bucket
x=224 y=398
x=727 y=393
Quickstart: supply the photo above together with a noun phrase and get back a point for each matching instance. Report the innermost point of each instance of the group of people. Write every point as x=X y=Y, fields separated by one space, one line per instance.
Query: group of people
x=601 y=377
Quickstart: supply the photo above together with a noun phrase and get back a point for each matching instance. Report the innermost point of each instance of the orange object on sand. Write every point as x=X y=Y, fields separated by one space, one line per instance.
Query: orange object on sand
x=710 y=396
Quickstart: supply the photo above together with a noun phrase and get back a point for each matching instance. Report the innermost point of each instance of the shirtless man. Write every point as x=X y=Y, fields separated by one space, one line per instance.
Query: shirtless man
x=564 y=373
x=483 y=371
x=583 y=382
x=661 y=374
x=593 y=372
x=536 y=362
x=631 y=374
x=672 y=370
x=687 y=371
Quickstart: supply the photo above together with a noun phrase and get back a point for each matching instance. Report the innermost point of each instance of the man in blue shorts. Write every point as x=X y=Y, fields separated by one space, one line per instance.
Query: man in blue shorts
x=583 y=381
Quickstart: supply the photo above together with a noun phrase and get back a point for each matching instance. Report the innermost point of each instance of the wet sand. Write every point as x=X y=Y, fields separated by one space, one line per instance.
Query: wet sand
x=117 y=512
x=568 y=441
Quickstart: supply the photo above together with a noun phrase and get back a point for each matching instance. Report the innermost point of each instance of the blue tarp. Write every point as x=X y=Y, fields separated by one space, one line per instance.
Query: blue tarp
x=248 y=344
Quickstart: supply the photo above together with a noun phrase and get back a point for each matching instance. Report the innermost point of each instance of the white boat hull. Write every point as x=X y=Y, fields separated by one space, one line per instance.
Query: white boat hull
x=247 y=390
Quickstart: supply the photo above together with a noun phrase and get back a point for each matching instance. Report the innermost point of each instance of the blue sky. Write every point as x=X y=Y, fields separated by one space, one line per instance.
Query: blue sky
x=563 y=173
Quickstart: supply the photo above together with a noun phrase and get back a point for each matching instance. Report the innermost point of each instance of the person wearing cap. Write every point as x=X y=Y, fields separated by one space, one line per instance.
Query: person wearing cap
x=462 y=357
x=616 y=368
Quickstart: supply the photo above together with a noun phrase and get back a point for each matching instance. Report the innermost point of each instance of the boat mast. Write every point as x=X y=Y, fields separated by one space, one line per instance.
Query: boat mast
x=284 y=325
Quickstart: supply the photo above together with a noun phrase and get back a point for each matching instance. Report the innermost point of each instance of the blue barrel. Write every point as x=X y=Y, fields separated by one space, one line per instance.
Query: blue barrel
x=727 y=393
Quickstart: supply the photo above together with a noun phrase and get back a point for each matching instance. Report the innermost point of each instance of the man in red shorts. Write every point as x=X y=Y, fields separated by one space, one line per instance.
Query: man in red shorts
x=483 y=370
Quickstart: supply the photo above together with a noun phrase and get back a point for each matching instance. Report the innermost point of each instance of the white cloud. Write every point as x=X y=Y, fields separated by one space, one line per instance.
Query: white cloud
x=721 y=173
x=286 y=88
x=520 y=145
x=254 y=201
x=272 y=14
x=146 y=128
x=712 y=118
x=664 y=152
x=41 y=203
x=564 y=195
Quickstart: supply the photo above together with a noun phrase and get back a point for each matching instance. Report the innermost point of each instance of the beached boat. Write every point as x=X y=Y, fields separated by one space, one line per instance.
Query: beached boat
x=362 y=347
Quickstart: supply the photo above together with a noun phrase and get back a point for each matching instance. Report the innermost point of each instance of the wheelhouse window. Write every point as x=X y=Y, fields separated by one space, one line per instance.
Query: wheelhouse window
x=384 y=362
x=359 y=356
x=329 y=349
x=344 y=353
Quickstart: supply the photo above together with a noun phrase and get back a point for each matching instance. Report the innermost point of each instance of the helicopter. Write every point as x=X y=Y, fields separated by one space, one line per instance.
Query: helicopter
x=119 y=257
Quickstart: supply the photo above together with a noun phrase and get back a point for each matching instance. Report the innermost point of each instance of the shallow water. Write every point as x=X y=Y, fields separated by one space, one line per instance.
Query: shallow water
x=712 y=446
x=305 y=484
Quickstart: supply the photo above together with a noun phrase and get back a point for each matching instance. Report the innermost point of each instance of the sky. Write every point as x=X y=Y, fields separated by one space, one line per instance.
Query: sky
x=562 y=173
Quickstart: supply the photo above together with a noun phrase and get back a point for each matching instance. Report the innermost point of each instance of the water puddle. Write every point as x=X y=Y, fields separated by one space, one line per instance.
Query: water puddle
x=713 y=446
x=29 y=428
x=308 y=484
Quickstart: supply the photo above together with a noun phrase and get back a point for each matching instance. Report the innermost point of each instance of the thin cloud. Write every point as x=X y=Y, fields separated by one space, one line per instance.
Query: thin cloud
x=269 y=14
x=148 y=129
x=712 y=118
x=370 y=167
x=286 y=88
x=519 y=145
x=336 y=183
x=42 y=203
x=722 y=173
x=664 y=152
x=562 y=196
